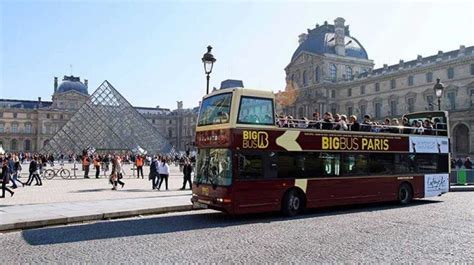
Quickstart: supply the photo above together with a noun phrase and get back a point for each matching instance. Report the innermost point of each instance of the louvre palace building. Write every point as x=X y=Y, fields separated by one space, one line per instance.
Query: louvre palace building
x=331 y=71
x=29 y=125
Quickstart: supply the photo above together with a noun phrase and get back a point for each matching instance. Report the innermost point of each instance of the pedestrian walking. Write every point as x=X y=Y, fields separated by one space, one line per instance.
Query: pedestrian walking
x=5 y=178
x=164 y=171
x=154 y=176
x=468 y=163
x=116 y=175
x=16 y=171
x=86 y=165
x=34 y=170
x=97 y=166
x=139 y=165
x=187 y=170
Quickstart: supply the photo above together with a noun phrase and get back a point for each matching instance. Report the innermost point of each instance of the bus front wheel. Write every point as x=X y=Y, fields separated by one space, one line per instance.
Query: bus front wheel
x=405 y=193
x=292 y=203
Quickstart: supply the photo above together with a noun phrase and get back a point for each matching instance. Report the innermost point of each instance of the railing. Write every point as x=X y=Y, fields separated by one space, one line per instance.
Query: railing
x=461 y=176
x=312 y=124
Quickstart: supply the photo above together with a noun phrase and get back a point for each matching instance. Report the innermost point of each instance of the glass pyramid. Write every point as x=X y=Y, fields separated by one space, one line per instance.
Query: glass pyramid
x=107 y=122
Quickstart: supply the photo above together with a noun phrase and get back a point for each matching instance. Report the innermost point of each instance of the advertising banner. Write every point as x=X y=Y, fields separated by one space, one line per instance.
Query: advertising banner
x=437 y=145
x=436 y=184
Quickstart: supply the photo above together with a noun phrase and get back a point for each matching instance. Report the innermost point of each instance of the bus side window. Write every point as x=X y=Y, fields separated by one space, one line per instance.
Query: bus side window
x=250 y=166
x=331 y=164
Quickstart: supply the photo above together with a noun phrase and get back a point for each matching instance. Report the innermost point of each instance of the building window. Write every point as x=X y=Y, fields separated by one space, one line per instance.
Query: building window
x=451 y=100
x=429 y=77
x=316 y=74
x=27 y=128
x=410 y=80
x=305 y=81
x=27 y=145
x=393 y=84
x=349 y=73
x=48 y=116
x=362 y=90
x=393 y=107
x=2 y=125
x=349 y=111
x=349 y=92
x=14 y=145
x=411 y=104
x=15 y=128
x=333 y=93
x=1 y=114
x=15 y=115
x=153 y=121
x=472 y=69
x=378 y=110
x=429 y=101
x=377 y=87
x=333 y=72
x=170 y=122
x=472 y=98
x=61 y=116
x=363 y=111
x=450 y=73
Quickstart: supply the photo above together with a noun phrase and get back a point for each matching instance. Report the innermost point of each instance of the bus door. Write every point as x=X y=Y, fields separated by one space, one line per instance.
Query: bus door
x=256 y=187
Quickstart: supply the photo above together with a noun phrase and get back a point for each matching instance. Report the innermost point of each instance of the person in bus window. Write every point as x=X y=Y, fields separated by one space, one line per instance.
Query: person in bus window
x=327 y=121
x=428 y=127
x=468 y=163
x=366 y=125
x=316 y=123
x=419 y=127
x=354 y=124
x=339 y=124
x=395 y=126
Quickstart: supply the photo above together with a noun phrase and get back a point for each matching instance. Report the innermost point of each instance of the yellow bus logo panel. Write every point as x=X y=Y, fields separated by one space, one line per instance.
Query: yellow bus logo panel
x=254 y=139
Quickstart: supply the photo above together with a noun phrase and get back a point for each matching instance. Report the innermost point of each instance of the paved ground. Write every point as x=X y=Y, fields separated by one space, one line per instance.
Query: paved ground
x=80 y=189
x=438 y=230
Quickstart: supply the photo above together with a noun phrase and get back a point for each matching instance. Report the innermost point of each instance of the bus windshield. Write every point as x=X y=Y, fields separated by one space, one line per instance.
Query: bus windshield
x=215 y=110
x=213 y=166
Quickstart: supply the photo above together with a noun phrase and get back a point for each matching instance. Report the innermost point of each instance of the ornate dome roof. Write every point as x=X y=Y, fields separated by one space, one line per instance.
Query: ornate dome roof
x=70 y=83
x=320 y=40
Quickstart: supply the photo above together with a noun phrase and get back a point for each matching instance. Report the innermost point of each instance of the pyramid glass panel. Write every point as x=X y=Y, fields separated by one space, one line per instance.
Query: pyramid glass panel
x=107 y=121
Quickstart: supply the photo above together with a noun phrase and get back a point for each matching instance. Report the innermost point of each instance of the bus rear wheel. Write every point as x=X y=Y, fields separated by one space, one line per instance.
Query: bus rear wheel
x=292 y=203
x=405 y=193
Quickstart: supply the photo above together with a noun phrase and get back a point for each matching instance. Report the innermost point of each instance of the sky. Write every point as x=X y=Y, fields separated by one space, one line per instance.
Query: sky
x=151 y=50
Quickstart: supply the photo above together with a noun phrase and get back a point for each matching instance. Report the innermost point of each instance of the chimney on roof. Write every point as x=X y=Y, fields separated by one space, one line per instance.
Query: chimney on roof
x=39 y=102
x=440 y=56
x=55 y=84
x=339 y=30
x=180 y=105
x=86 y=83
x=419 y=59
x=401 y=63
x=462 y=49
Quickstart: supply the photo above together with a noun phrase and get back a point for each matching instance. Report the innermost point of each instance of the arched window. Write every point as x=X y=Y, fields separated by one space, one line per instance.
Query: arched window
x=27 y=145
x=14 y=145
x=305 y=80
x=349 y=73
x=27 y=127
x=333 y=72
x=316 y=74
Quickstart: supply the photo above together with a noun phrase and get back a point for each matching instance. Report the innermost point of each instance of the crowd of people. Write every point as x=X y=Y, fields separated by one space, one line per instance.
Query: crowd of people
x=110 y=164
x=341 y=122
x=459 y=163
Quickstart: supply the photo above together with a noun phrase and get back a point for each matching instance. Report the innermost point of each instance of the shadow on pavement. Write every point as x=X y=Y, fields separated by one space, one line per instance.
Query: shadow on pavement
x=179 y=223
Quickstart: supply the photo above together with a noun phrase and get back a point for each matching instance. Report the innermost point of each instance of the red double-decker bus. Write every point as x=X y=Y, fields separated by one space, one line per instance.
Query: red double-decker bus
x=248 y=164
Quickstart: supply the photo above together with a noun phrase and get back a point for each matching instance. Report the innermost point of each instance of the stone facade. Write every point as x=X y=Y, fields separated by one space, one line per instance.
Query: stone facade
x=27 y=125
x=335 y=81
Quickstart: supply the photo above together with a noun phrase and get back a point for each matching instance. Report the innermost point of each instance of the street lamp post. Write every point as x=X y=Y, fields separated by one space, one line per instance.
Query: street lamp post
x=208 y=60
x=438 y=89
